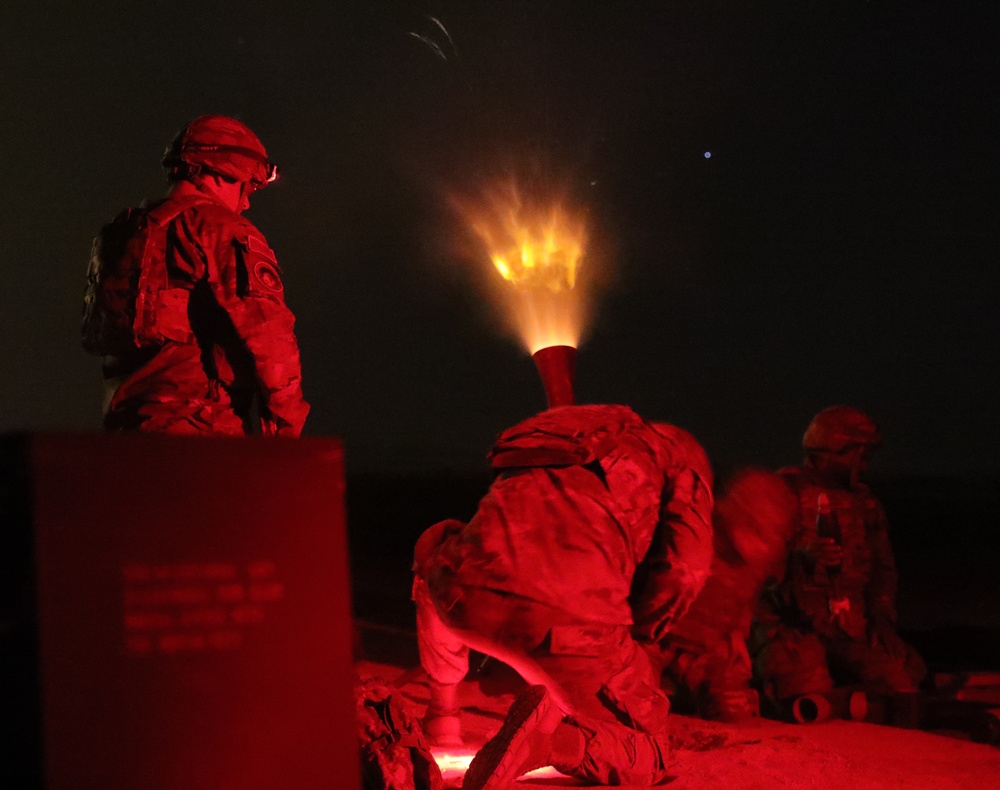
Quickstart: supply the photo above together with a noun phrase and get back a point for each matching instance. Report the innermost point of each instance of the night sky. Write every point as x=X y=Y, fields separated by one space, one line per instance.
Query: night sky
x=839 y=244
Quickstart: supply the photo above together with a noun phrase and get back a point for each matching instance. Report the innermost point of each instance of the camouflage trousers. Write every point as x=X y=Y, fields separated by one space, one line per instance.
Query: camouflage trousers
x=794 y=663
x=599 y=676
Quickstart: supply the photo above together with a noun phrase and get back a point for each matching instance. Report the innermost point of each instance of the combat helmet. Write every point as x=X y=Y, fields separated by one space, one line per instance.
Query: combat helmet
x=837 y=428
x=220 y=144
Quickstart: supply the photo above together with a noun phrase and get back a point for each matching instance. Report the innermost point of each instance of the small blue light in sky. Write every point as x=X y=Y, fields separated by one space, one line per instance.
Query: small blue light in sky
x=708 y=154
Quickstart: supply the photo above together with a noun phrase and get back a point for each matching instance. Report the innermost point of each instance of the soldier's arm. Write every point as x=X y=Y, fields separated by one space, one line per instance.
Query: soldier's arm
x=246 y=282
x=268 y=330
x=880 y=593
x=678 y=561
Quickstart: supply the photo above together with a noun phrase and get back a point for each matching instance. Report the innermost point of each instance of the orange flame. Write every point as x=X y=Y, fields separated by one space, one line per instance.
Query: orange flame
x=538 y=251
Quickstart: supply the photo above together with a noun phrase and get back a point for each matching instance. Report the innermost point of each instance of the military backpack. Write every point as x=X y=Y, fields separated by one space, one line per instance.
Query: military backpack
x=394 y=753
x=129 y=302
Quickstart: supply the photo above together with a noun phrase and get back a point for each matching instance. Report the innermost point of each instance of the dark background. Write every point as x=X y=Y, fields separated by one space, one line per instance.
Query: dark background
x=838 y=245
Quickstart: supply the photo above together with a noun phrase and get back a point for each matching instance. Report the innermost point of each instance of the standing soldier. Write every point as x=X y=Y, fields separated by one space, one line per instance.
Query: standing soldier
x=833 y=618
x=185 y=304
x=596 y=519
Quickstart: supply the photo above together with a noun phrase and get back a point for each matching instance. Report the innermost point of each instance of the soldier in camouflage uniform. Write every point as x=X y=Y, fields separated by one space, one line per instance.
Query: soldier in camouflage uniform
x=185 y=302
x=832 y=620
x=705 y=659
x=597 y=527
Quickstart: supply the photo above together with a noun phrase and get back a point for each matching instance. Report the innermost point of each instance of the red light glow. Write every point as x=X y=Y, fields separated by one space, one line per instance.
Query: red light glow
x=455 y=762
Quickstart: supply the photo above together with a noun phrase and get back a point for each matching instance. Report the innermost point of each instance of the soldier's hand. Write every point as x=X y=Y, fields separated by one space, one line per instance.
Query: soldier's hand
x=827 y=552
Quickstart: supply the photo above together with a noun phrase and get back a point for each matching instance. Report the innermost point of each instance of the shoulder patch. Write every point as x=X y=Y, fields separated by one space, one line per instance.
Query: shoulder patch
x=266 y=274
x=262 y=271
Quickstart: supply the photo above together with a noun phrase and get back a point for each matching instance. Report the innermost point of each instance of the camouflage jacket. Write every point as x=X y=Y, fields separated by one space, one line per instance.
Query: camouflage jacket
x=243 y=347
x=595 y=513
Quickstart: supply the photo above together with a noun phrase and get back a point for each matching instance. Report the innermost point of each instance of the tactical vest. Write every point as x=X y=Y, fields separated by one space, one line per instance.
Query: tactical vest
x=129 y=301
x=814 y=588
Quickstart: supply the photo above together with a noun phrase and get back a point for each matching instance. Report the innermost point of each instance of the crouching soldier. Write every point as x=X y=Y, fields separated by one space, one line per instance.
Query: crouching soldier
x=596 y=533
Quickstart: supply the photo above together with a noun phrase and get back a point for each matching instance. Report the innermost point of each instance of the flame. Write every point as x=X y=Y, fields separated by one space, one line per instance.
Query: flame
x=535 y=252
x=537 y=246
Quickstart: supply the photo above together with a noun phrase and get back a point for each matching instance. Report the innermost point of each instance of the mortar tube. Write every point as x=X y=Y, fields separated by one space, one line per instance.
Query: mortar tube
x=557 y=365
x=857 y=706
x=842 y=703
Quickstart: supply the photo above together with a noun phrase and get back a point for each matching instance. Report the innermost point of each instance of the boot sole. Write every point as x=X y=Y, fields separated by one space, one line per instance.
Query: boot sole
x=505 y=752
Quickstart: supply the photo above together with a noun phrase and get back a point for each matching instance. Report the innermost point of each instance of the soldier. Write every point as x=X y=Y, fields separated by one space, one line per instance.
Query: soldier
x=832 y=620
x=185 y=303
x=705 y=656
x=596 y=519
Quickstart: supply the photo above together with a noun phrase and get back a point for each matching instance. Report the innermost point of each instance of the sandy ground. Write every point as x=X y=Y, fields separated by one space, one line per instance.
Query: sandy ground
x=761 y=755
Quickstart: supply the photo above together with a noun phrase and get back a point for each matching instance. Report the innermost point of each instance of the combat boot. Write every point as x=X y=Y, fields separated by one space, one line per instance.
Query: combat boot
x=523 y=743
